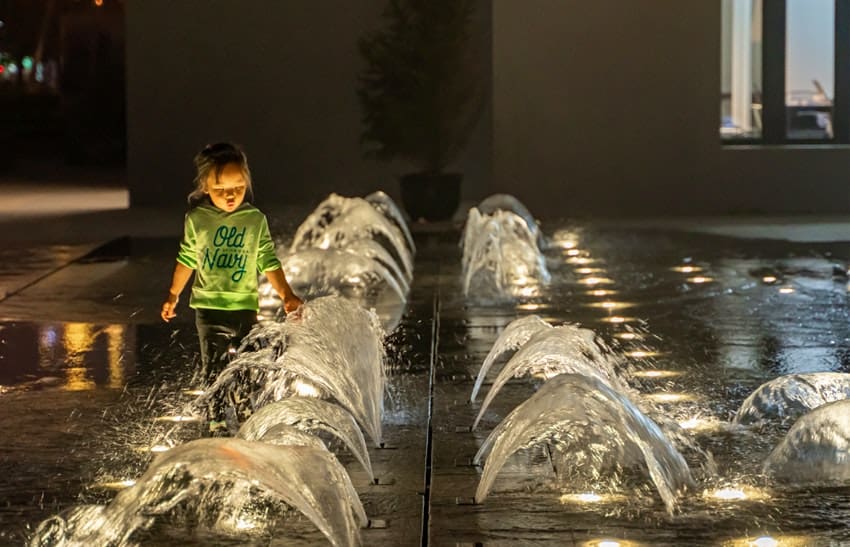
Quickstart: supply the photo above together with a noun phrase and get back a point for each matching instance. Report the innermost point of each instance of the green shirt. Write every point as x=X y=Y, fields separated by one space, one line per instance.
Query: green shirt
x=227 y=251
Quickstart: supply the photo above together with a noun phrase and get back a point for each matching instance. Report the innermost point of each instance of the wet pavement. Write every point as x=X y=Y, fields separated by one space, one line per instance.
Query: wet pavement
x=86 y=365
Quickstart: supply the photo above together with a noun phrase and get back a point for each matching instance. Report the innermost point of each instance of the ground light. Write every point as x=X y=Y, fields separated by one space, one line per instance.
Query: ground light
x=595 y=281
x=580 y=260
x=656 y=373
x=771 y=541
x=618 y=319
x=737 y=493
x=601 y=292
x=666 y=397
x=642 y=354
x=701 y=424
x=607 y=542
x=590 y=497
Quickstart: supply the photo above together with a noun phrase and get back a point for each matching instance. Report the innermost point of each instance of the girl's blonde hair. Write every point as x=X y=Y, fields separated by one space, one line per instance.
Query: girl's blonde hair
x=212 y=159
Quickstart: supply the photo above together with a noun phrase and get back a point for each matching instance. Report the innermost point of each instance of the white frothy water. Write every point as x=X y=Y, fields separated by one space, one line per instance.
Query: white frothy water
x=593 y=428
x=816 y=448
x=234 y=471
x=338 y=221
x=790 y=396
x=549 y=352
x=501 y=259
x=384 y=203
x=333 y=349
x=507 y=202
x=357 y=248
x=515 y=335
x=321 y=272
x=308 y=414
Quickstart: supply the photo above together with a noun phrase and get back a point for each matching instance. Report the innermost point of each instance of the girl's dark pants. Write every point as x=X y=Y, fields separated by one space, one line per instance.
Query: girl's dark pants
x=219 y=332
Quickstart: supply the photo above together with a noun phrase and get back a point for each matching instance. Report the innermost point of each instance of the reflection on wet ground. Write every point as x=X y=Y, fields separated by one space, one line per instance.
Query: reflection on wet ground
x=707 y=319
x=69 y=356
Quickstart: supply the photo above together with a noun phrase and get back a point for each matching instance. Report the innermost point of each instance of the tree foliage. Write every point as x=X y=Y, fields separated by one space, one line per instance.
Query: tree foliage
x=420 y=90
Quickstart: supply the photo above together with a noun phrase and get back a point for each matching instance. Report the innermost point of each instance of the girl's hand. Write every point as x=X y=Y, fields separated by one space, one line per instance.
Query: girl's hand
x=291 y=303
x=168 y=306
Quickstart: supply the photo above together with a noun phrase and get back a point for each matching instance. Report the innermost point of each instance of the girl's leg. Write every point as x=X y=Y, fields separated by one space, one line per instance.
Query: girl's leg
x=219 y=333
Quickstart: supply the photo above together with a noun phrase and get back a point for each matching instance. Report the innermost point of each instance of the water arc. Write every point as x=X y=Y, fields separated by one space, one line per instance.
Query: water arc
x=792 y=395
x=339 y=220
x=323 y=272
x=507 y=202
x=500 y=256
x=287 y=435
x=385 y=204
x=816 y=448
x=549 y=352
x=587 y=401
x=515 y=335
x=307 y=414
x=337 y=346
x=308 y=479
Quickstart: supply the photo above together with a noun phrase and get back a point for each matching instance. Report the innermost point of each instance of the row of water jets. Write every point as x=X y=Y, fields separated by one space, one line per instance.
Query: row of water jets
x=593 y=428
x=292 y=384
x=297 y=382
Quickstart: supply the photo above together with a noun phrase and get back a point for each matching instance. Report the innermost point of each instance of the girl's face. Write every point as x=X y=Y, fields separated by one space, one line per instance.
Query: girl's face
x=228 y=192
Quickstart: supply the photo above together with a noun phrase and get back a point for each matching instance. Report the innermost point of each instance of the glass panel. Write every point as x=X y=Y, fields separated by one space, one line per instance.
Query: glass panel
x=810 y=68
x=740 y=78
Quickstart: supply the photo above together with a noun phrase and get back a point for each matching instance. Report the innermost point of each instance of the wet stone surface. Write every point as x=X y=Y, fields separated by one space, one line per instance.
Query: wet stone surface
x=83 y=376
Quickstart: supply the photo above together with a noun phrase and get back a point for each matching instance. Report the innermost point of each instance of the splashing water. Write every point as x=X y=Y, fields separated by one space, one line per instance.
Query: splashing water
x=322 y=272
x=335 y=350
x=338 y=221
x=384 y=203
x=596 y=426
x=308 y=414
x=563 y=349
x=507 y=202
x=515 y=335
x=500 y=256
x=816 y=448
x=309 y=479
x=788 y=397
x=286 y=435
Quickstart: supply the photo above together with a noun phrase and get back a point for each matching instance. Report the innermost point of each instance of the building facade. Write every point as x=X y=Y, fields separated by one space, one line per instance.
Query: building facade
x=604 y=108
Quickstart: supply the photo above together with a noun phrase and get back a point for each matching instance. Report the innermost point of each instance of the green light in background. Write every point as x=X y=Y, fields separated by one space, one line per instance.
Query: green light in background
x=26 y=63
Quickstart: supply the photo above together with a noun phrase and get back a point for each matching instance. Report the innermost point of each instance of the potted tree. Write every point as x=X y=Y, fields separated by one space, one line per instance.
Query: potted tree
x=421 y=96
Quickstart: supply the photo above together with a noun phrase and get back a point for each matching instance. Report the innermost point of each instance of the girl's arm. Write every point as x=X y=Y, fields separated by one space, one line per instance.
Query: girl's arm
x=178 y=282
x=281 y=286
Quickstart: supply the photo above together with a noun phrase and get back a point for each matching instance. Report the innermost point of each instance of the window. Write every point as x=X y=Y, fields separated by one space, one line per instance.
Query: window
x=809 y=68
x=780 y=79
x=740 y=103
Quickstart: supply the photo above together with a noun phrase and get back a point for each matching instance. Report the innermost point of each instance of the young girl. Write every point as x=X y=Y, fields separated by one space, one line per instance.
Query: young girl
x=226 y=242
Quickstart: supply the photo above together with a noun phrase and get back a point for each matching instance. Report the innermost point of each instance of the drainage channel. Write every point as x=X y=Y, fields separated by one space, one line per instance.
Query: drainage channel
x=432 y=367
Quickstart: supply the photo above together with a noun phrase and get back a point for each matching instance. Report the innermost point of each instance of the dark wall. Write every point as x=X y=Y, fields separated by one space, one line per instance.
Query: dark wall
x=277 y=77
x=612 y=108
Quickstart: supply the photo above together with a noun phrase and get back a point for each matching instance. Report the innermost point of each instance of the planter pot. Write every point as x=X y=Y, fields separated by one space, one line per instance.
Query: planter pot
x=430 y=196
